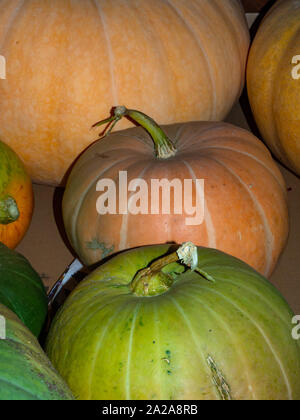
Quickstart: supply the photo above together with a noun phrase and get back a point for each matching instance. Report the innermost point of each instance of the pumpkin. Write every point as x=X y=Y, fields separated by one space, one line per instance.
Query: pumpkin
x=68 y=62
x=209 y=327
x=273 y=81
x=245 y=209
x=25 y=371
x=22 y=290
x=16 y=197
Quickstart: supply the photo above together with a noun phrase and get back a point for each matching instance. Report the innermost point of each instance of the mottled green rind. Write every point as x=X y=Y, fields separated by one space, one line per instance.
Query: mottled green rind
x=22 y=290
x=230 y=338
x=11 y=167
x=25 y=371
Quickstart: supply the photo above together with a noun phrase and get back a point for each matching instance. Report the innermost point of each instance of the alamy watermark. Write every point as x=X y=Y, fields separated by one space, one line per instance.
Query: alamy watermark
x=2 y=328
x=296 y=69
x=2 y=67
x=296 y=329
x=137 y=197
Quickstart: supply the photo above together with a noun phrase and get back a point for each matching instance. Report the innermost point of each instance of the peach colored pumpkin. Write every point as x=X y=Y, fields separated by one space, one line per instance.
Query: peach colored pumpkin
x=273 y=79
x=68 y=62
x=245 y=211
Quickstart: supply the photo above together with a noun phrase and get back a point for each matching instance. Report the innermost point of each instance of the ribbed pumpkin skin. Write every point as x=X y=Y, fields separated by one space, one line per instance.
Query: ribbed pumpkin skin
x=111 y=344
x=68 y=63
x=22 y=290
x=273 y=92
x=25 y=371
x=15 y=182
x=245 y=196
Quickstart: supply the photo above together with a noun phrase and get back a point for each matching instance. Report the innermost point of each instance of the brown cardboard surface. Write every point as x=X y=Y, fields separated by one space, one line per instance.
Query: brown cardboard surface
x=45 y=244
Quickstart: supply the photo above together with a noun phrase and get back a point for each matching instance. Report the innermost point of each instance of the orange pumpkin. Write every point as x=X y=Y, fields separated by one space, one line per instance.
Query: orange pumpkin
x=273 y=79
x=16 y=197
x=69 y=61
x=245 y=208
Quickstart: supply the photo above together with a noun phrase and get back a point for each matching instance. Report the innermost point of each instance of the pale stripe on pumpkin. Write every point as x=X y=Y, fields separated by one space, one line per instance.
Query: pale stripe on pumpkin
x=124 y=225
x=269 y=239
x=264 y=335
x=235 y=346
x=211 y=233
x=114 y=90
x=127 y=390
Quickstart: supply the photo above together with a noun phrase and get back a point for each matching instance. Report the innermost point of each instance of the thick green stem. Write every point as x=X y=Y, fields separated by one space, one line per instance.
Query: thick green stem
x=164 y=147
x=9 y=211
x=152 y=281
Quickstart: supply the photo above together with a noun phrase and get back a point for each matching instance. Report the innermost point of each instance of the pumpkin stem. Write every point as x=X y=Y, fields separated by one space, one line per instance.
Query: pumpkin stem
x=151 y=281
x=164 y=148
x=9 y=211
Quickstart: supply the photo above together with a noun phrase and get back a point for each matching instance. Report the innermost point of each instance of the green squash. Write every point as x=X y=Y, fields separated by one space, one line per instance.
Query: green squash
x=25 y=371
x=22 y=290
x=218 y=330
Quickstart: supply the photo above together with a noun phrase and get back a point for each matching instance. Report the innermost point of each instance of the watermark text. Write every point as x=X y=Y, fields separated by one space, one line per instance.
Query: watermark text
x=296 y=69
x=2 y=328
x=162 y=196
x=2 y=67
x=296 y=330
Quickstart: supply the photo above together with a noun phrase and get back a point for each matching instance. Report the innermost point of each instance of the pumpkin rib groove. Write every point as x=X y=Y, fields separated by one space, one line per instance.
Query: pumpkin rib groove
x=19 y=274
x=177 y=136
x=250 y=291
x=228 y=332
x=97 y=349
x=74 y=337
x=204 y=54
x=12 y=306
x=191 y=329
x=126 y=150
x=129 y=358
x=11 y=22
x=95 y=283
x=110 y=52
x=25 y=366
x=263 y=334
x=276 y=76
x=83 y=197
x=269 y=239
x=211 y=233
x=232 y=28
x=91 y=307
x=100 y=294
x=120 y=151
x=250 y=274
x=160 y=52
x=18 y=388
x=125 y=217
x=252 y=142
x=273 y=77
x=250 y=156
x=22 y=289
x=139 y=139
x=99 y=218
x=158 y=351
x=197 y=137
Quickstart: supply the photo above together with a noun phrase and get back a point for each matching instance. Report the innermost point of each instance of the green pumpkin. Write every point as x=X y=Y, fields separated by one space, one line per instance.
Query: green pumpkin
x=217 y=331
x=22 y=290
x=25 y=371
